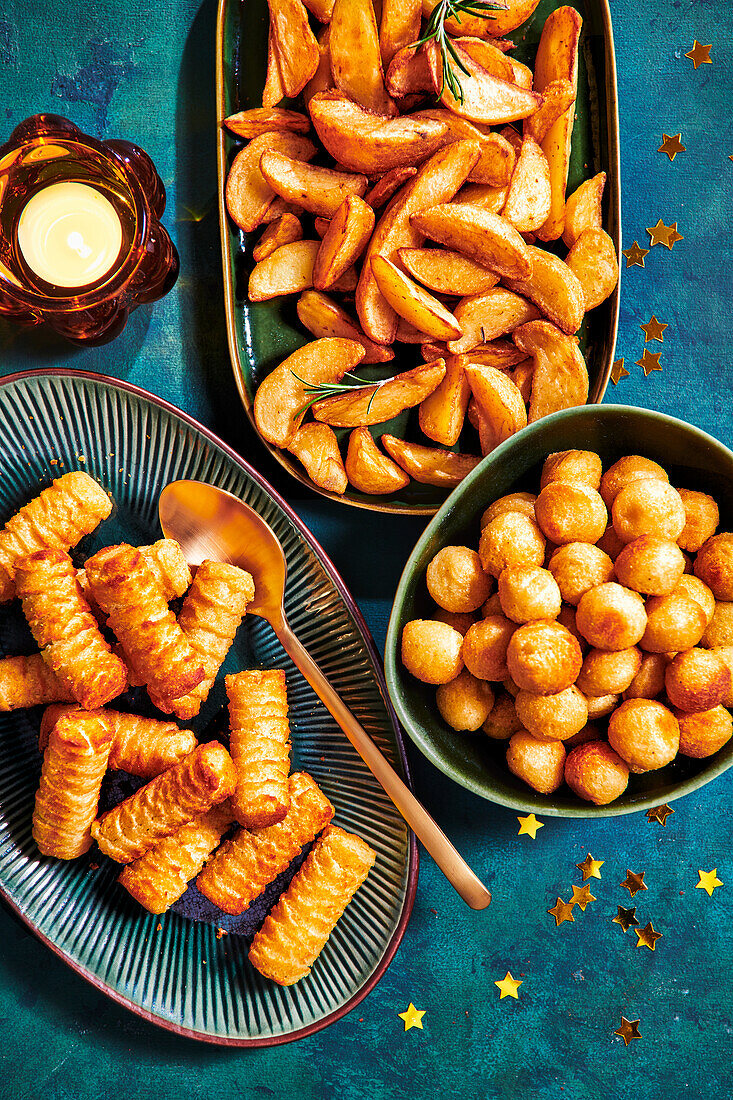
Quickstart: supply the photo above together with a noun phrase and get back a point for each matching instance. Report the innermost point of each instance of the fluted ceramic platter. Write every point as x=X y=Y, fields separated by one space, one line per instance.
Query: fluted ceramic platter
x=262 y=334
x=188 y=970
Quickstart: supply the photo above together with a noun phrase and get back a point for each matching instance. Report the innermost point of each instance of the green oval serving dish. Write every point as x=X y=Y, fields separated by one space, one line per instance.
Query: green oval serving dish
x=262 y=334
x=693 y=459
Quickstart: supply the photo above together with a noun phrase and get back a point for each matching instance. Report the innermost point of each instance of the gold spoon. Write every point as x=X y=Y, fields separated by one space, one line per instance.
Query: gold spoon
x=210 y=523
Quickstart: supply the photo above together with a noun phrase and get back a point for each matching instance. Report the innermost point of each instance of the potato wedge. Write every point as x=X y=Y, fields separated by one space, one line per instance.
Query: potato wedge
x=356 y=62
x=483 y=317
x=502 y=354
x=318 y=190
x=380 y=402
x=413 y=302
x=583 y=209
x=437 y=181
x=262 y=120
x=486 y=98
x=346 y=283
x=368 y=469
x=560 y=378
x=486 y=238
x=554 y=288
x=324 y=317
x=429 y=465
x=248 y=194
x=322 y=79
x=522 y=376
x=593 y=260
x=433 y=349
x=408 y=72
x=398 y=27
x=383 y=190
x=528 y=199
x=276 y=209
x=288 y=270
x=321 y=226
x=281 y=396
x=295 y=44
x=496 y=162
x=369 y=143
x=285 y=230
x=343 y=242
x=495 y=61
x=316 y=446
x=501 y=22
x=442 y=413
x=322 y=9
x=446 y=272
x=274 y=89
x=484 y=195
x=557 y=97
x=408 y=334
x=499 y=402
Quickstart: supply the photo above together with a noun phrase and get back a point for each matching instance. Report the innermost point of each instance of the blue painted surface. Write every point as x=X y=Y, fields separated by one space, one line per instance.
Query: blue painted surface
x=121 y=68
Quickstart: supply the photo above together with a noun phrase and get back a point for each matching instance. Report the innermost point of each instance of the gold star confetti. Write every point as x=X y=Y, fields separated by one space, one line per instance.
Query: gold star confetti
x=529 y=825
x=629 y=1030
x=562 y=911
x=590 y=867
x=625 y=917
x=699 y=55
x=709 y=881
x=653 y=329
x=649 y=361
x=581 y=896
x=412 y=1017
x=635 y=255
x=618 y=371
x=659 y=813
x=663 y=234
x=634 y=882
x=671 y=145
x=508 y=986
x=647 y=936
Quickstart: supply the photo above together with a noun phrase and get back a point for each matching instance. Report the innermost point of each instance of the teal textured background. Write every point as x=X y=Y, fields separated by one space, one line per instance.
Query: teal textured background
x=124 y=69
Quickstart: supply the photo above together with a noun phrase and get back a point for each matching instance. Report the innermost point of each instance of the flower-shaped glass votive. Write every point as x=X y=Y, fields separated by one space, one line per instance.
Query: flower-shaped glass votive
x=81 y=242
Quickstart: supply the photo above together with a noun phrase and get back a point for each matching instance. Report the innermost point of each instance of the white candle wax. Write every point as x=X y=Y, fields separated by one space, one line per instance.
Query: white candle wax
x=69 y=234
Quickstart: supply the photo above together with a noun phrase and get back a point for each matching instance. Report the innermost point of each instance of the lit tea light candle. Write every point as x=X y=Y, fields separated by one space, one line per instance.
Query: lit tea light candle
x=69 y=234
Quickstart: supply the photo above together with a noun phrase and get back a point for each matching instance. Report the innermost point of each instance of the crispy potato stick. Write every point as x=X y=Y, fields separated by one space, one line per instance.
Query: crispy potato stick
x=554 y=288
x=259 y=738
x=356 y=62
x=248 y=194
x=203 y=779
x=487 y=238
x=285 y=230
x=500 y=404
x=343 y=242
x=592 y=259
x=29 y=682
x=511 y=16
x=557 y=97
x=496 y=162
x=385 y=187
x=126 y=590
x=316 y=446
x=66 y=801
x=57 y=519
x=583 y=209
x=274 y=89
x=323 y=317
x=429 y=465
x=398 y=27
x=243 y=866
x=483 y=317
x=65 y=629
x=413 y=302
x=447 y=272
x=166 y=562
x=322 y=79
x=380 y=402
x=319 y=190
x=262 y=120
x=160 y=877
x=296 y=929
x=528 y=199
x=560 y=379
x=281 y=397
x=442 y=413
x=295 y=44
x=408 y=72
x=486 y=98
x=368 y=469
x=287 y=270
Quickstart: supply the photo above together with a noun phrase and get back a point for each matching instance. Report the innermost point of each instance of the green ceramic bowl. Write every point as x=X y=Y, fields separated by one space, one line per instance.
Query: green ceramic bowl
x=693 y=460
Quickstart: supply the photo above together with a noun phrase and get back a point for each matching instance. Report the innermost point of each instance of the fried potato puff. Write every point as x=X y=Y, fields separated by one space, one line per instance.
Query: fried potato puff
x=243 y=866
x=58 y=518
x=206 y=777
x=125 y=588
x=66 y=800
x=65 y=629
x=296 y=929
x=259 y=739
x=29 y=682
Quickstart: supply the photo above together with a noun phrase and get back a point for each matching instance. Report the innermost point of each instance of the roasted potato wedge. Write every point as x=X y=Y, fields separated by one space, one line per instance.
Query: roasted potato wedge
x=522 y=376
x=483 y=317
x=343 y=242
x=528 y=199
x=413 y=302
x=368 y=469
x=322 y=79
x=356 y=62
x=276 y=209
x=486 y=98
x=447 y=272
x=322 y=9
x=288 y=270
x=560 y=377
x=295 y=44
x=430 y=465
x=398 y=27
x=484 y=195
x=496 y=162
x=494 y=60
x=502 y=354
x=324 y=317
x=557 y=97
x=284 y=230
x=318 y=190
x=321 y=226
x=262 y=120
x=281 y=396
x=380 y=402
x=273 y=90
x=383 y=190
x=487 y=238
x=408 y=72
x=442 y=413
x=248 y=194
x=500 y=22
x=593 y=260
x=554 y=288
x=316 y=446
x=583 y=209
x=499 y=402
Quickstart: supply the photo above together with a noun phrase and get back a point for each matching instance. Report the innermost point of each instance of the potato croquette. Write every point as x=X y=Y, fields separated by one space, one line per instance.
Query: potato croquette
x=465 y=703
x=492 y=606
x=591 y=731
x=456 y=580
x=571 y=512
x=601 y=705
x=719 y=630
x=540 y=764
x=528 y=592
x=552 y=717
x=503 y=720
x=714 y=565
x=510 y=539
x=566 y=618
x=697 y=679
x=701 y=519
x=513 y=502
x=650 y=565
x=578 y=567
x=698 y=591
x=674 y=623
x=582 y=466
x=704 y=732
x=459 y=622
x=596 y=773
x=608 y=673
x=611 y=617
x=649 y=680
x=725 y=652
x=610 y=543
x=648 y=507
x=485 y=647
x=543 y=657
x=645 y=733
x=431 y=651
x=627 y=469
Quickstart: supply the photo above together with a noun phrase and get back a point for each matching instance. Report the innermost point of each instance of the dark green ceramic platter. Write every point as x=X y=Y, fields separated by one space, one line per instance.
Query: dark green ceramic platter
x=693 y=460
x=262 y=334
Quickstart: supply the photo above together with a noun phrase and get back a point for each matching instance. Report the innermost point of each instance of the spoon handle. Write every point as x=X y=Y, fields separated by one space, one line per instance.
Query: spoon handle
x=451 y=863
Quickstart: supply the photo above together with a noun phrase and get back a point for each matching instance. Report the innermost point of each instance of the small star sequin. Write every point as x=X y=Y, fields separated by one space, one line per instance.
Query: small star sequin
x=581 y=896
x=628 y=1030
x=508 y=986
x=709 y=881
x=626 y=918
x=412 y=1017
x=649 y=361
x=699 y=55
x=562 y=911
x=671 y=145
x=660 y=814
x=634 y=882
x=618 y=371
x=663 y=234
x=653 y=329
x=529 y=826
x=647 y=936
x=635 y=255
x=590 y=867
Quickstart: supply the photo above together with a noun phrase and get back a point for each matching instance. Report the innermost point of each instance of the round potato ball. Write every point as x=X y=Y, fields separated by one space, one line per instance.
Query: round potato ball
x=645 y=733
x=725 y=652
x=571 y=512
x=512 y=502
x=719 y=630
x=458 y=620
x=583 y=466
x=650 y=565
x=503 y=720
x=714 y=565
x=566 y=618
x=704 y=732
x=578 y=567
x=608 y=673
x=627 y=469
x=697 y=679
x=510 y=539
x=492 y=606
x=456 y=580
x=595 y=773
x=610 y=543
x=674 y=623
x=649 y=680
x=552 y=717
x=465 y=703
x=543 y=657
x=611 y=616
x=648 y=507
x=485 y=647
x=701 y=519
x=431 y=651
x=540 y=764
x=591 y=731
x=529 y=592
x=601 y=705
x=698 y=591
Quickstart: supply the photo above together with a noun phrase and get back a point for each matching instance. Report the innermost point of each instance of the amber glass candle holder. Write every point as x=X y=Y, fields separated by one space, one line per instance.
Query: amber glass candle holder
x=46 y=150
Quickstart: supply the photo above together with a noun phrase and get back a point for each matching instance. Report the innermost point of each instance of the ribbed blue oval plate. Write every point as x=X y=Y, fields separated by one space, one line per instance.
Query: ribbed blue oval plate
x=188 y=970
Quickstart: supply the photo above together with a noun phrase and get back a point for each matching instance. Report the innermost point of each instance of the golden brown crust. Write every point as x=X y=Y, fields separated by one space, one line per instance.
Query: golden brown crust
x=259 y=740
x=29 y=682
x=297 y=928
x=166 y=562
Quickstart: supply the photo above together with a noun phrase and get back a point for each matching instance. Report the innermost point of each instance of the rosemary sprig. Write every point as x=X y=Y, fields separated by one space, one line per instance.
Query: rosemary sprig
x=435 y=32
x=319 y=391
